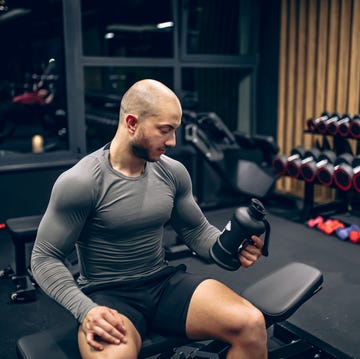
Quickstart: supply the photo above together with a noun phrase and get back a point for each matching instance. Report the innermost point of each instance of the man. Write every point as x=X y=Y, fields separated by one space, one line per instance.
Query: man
x=113 y=206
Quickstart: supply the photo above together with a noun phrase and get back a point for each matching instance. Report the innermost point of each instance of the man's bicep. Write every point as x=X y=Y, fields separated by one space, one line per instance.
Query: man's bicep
x=65 y=215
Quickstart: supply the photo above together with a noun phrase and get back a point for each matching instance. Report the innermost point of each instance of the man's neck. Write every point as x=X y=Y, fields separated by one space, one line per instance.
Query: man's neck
x=124 y=162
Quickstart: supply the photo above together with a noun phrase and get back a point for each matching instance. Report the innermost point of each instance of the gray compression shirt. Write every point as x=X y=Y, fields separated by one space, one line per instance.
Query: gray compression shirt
x=116 y=224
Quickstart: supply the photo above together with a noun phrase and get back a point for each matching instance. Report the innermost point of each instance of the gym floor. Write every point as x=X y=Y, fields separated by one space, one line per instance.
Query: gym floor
x=330 y=319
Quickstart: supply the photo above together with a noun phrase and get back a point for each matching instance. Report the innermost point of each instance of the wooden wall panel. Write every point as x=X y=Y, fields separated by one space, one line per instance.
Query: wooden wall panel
x=319 y=70
x=354 y=75
x=310 y=49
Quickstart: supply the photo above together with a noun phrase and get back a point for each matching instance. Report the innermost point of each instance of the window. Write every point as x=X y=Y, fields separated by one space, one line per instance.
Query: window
x=214 y=27
x=219 y=90
x=126 y=28
x=104 y=87
x=33 y=116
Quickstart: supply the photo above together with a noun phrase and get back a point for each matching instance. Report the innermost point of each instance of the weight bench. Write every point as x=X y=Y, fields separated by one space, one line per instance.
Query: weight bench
x=278 y=296
x=22 y=231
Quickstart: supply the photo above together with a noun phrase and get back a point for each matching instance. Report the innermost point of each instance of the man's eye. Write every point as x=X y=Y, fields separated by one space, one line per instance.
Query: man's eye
x=165 y=131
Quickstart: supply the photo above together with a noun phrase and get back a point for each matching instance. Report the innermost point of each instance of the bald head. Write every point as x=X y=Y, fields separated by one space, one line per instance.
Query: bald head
x=145 y=98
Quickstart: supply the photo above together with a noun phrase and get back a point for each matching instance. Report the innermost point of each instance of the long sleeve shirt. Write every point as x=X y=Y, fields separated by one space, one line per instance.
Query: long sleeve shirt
x=116 y=224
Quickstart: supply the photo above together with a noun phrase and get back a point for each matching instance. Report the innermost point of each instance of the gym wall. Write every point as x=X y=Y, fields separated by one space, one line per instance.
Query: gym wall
x=319 y=70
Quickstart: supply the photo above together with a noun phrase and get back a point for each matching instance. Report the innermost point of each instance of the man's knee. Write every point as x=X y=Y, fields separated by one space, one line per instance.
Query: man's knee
x=128 y=350
x=251 y=329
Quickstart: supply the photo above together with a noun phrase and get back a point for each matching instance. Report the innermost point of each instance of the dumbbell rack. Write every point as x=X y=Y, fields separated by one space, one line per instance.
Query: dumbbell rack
x=343 y=198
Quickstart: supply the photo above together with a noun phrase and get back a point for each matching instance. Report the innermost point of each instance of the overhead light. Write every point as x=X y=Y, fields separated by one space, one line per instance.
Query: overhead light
x=13 y=14
x=109 y=35
x=3 y=6
x=130 y=28
x=138 y=28
x=164 y=25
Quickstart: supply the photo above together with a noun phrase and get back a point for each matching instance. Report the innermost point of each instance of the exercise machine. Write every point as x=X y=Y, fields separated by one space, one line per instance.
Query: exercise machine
x=236 y=164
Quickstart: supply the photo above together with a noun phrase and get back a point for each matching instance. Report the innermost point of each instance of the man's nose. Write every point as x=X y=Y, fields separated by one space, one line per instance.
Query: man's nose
x=171 y=141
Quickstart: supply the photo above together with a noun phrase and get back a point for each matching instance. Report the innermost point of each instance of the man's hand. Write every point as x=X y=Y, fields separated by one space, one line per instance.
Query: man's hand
x=251 y=253
x=103 y=324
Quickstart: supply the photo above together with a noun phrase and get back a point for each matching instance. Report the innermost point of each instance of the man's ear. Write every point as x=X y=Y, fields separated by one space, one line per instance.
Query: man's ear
x=131 y=122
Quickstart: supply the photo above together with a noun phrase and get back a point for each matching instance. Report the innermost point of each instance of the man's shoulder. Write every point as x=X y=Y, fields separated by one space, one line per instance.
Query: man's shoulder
x=174 y=170
x=170 y=163
x=86 y=170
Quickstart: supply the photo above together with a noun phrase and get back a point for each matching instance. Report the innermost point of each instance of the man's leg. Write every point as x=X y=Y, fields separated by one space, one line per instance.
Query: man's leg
x=215 y=311
x=130 y=350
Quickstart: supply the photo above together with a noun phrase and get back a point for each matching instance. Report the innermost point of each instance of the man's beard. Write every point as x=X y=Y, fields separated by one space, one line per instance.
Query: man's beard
x=141 y=152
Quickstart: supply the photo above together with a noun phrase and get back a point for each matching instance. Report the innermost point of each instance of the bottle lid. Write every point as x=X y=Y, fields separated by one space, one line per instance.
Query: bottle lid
x=257 y=209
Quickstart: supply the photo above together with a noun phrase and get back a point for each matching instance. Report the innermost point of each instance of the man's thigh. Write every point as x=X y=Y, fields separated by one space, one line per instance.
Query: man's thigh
x=113 y=298
x=172 y=309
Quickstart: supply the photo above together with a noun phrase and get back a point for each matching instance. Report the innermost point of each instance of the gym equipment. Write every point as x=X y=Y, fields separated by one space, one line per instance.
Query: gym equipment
x=245 y=222
x=279 y=162
x=293 y=166
x=344 y=233
x=278 y=296
x=312 y=123
x=354 y=127
x=330 y=226
x=323 y=125
x=356 y=173
x=344 y=173
x=354 y=236
x=21 y=231
x=310 y=166
x=219 y=147
x=314 y=222
x=341 y=126
x=325 y=173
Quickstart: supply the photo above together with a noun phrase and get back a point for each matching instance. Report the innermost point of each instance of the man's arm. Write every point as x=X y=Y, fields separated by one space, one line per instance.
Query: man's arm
x=70 y=203
x=192 y=226
x=188 y=220
x=68 y=208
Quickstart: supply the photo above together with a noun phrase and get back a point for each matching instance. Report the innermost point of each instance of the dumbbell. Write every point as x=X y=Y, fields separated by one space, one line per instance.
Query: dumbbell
x=356 y=171
x=293 y=166
x=354 y=127
x=322 y=126
x=325 y=173
x=312 y=123
x=310 y=166
x=279 y=162
x=344 y=173
x=341 y=126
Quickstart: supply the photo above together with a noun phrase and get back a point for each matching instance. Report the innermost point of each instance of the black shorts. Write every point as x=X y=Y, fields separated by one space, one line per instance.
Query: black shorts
x=160 y=303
